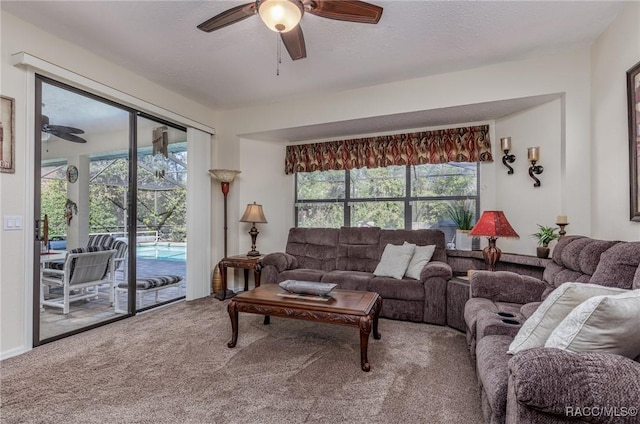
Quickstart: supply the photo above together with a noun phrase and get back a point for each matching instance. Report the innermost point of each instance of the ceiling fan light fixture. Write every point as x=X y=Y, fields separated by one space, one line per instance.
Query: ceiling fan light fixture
x=280 y=15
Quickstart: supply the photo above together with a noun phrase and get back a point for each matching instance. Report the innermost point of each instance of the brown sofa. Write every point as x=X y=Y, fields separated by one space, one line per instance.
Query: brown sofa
x=545 y=385
x=348 y=257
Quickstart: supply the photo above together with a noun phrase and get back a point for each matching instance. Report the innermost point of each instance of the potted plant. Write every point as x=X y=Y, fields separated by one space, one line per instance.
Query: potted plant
x=545 y=235
x=462 y=214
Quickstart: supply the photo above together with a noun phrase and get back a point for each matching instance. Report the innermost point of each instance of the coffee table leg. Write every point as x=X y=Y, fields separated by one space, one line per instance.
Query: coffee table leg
x=365 y=329
x=233 y=314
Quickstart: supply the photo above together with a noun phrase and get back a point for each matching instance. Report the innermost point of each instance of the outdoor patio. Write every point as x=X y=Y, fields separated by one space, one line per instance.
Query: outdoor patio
x=88 y=312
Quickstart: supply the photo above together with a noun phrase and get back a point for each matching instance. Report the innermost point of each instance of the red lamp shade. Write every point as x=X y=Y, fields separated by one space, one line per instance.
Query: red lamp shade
x=493 y=224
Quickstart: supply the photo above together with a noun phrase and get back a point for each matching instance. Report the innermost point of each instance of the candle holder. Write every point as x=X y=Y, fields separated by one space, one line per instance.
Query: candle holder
x=562 y=232
x=505 y=145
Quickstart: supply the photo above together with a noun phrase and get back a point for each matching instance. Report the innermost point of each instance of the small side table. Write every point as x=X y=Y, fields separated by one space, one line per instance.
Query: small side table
x=240 y=261
x=458 y=292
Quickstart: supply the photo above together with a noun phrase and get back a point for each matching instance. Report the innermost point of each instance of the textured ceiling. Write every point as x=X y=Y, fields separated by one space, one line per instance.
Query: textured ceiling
x=236 y=66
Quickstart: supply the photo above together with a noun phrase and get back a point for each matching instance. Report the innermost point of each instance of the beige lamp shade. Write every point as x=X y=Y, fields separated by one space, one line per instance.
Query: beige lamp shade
x=253 y=214
x=224 y=175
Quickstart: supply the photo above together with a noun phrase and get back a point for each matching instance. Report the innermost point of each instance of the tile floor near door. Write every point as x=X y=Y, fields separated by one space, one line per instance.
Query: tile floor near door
x=89 y=312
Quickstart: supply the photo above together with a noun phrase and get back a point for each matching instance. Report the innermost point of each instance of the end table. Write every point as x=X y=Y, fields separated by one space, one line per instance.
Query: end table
x=240 y=261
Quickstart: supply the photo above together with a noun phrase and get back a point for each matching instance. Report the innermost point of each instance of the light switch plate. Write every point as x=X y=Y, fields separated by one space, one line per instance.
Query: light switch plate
x=12 y=222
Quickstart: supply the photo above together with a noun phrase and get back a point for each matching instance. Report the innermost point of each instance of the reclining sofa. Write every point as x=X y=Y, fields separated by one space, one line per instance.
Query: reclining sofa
x=348 y=257
x=543 y=384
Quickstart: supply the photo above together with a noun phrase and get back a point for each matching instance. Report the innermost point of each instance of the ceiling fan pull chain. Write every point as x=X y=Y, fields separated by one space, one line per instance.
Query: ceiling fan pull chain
x=278 y=53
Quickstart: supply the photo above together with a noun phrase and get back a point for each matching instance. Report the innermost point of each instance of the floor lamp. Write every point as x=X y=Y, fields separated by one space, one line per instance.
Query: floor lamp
x=225 y=176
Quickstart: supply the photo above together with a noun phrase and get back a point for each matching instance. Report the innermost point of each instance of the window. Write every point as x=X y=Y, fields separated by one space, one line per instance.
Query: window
x=395 y=197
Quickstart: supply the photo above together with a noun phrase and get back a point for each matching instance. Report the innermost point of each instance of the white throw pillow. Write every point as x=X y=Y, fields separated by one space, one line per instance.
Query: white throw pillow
x=395 y=260
x=421 y=256
x=538 y=327
x=607 y=324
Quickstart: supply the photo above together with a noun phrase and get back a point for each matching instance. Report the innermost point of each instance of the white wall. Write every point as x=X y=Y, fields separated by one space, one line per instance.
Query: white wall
x=16 y=191
x=616 y=51
x=524 y=205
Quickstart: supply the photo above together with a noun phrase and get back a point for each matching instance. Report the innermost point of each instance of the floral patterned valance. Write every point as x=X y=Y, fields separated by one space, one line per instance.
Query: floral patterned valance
x=468 y=144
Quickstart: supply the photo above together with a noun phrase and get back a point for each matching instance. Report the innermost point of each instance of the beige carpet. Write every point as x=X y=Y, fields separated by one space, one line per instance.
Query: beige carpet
x=173 y=366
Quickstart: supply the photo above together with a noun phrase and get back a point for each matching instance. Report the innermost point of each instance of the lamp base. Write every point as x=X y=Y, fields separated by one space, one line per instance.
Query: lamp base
x=253 y=253
x=491 y=254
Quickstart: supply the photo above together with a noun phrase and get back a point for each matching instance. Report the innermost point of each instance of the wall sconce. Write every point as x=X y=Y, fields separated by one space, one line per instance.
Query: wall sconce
x=534 y=156
x=505 y=146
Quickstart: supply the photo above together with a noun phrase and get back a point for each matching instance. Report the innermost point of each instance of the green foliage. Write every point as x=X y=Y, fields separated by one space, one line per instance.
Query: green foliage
x=545 y=235
x=53 y=197
x=462 y=213
x=388 y=185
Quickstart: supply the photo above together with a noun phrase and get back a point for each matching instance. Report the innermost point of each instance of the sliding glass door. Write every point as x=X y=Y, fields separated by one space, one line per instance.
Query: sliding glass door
x=111 y=212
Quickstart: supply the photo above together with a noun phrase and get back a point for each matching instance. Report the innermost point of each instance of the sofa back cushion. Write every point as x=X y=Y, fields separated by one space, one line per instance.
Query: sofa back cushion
x=417 y=237
x=313 y=247
x=575 y=258
x=359 y=249
x=618 y=266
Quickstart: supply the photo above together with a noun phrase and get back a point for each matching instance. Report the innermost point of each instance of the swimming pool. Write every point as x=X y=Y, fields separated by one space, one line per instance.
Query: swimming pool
x=162 y=251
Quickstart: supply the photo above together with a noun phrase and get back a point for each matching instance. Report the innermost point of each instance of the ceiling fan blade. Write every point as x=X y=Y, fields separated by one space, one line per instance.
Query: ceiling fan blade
x=228 y=17
x=70 y=137
x=61 y=129
x=294 y=42
x=352 y=11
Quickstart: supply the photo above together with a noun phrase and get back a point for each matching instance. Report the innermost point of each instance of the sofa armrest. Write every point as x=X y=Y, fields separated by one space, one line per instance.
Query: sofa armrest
x=506 y=286
x=436 y=269
x=280 y=260
x=562 y=383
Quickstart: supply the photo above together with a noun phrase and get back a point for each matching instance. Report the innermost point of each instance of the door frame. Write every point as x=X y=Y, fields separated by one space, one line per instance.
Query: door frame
x=199 y=138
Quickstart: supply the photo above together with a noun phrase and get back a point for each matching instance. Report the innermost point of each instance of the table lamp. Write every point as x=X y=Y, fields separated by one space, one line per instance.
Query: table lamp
x=253 y=214
x=493 y=224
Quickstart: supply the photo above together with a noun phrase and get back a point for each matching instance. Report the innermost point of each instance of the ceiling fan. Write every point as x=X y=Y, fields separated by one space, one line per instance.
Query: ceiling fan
x=61 y=131
x=284 y=16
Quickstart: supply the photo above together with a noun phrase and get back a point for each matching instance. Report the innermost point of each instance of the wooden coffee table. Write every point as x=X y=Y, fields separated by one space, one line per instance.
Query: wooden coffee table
x=348 y=307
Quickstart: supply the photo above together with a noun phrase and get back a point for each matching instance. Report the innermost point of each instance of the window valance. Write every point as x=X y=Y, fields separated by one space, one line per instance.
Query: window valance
x=466 y=144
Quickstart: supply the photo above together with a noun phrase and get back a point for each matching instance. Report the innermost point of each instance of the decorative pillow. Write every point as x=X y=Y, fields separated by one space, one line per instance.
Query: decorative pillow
x=606 y=324
x=536 y=329
x=395 y=260
x=421 y=256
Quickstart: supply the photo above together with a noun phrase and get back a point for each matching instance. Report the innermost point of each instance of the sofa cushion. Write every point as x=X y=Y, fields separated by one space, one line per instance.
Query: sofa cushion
x=390 y=288
x=302 y=274
x=536 y=330
x=618 y=266
x=636 y=279
x=417 y=237
x=395 y=260
x=358 y=249
x=348 y=280
x=421 y=256
x=606 y=324
x=313 y=247
x=575 y=259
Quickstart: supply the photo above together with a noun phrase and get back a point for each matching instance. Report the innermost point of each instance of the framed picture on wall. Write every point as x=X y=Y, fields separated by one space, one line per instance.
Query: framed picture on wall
x=7 y=138
x=633 y=93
